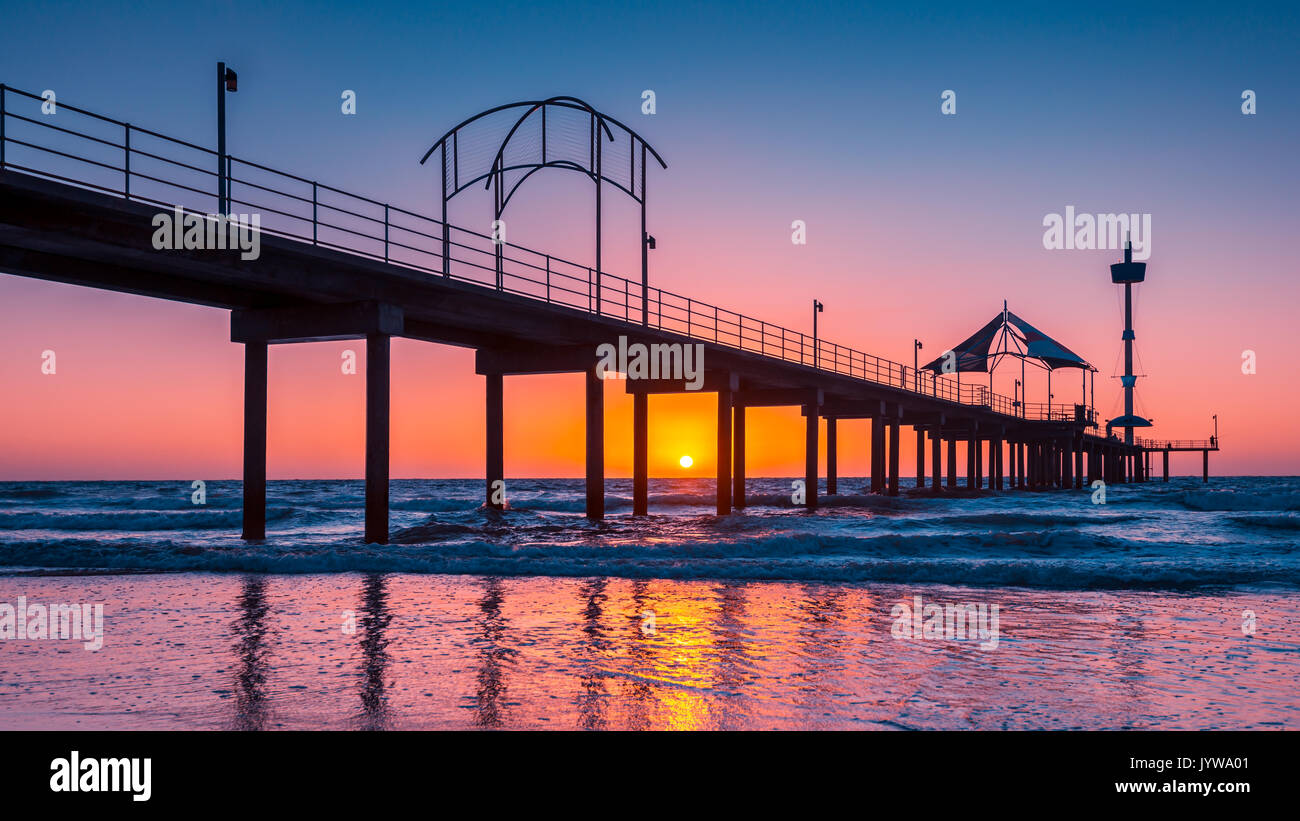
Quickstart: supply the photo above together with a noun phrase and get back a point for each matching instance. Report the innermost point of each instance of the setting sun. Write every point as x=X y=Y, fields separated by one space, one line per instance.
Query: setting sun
x=686 y=461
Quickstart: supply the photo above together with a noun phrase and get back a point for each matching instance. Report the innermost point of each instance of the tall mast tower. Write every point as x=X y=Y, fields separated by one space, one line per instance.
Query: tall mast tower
x=1128 y=272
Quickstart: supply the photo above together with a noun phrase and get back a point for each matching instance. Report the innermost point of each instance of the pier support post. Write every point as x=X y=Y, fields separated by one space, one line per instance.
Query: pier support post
x=894 y=446
x=952 y=463
x=640 y=453
x=979 y=463
x=495 y=417
x=877 y=454
x=1205 y=466
x=810 y=456
x=920 y=456
x=724 y=452
x=377 y=414
x=254 y=440
x=972 y=448
x=1165 y=478
x=738 y=457
x=1077 y=446
x=832 y=467
x=595 y=430
x=935 y=459
x=1067 y=464
x=995 y=463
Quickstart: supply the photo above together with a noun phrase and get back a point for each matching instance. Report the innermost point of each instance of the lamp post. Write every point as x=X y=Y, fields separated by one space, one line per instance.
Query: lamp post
x=916 y=347
x=1017 y=405
x=817 y=308
x=1216 y=430
x=227 y=80
x=647 y=245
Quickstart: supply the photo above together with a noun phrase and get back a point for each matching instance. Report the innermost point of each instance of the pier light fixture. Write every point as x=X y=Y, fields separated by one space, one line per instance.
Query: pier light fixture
x=817 y=308
x=227 y=81
x=916 y=347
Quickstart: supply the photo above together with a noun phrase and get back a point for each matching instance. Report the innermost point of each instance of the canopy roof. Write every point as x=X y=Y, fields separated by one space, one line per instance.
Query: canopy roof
x=1128 y=421
x=976 y=353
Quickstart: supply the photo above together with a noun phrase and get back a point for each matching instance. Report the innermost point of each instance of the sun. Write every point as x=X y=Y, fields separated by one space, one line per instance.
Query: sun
x=685 y=461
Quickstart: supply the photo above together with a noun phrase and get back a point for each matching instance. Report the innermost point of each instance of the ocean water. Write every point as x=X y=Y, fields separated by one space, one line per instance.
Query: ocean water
x=1180 y=535
x=1171 y=606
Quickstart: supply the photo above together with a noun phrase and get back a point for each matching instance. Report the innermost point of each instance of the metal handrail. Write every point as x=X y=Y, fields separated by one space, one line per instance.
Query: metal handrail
x=1177 y=444
x=522 y=271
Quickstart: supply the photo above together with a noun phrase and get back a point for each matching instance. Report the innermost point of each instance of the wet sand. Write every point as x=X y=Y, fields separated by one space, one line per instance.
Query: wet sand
x=229 y=651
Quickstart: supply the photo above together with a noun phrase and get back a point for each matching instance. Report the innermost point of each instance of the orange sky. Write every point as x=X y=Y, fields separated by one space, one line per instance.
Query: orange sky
x=149 y=389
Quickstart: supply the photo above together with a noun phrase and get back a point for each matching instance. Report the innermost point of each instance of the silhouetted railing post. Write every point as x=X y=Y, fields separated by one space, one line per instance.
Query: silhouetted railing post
x=3 y=117
x=548 y=277
x=313 y=213
x=126 y=163
x=385 y=233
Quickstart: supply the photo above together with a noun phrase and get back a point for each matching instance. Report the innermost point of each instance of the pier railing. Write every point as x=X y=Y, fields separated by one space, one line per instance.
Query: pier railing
x=1178 y=444
x=91 y=151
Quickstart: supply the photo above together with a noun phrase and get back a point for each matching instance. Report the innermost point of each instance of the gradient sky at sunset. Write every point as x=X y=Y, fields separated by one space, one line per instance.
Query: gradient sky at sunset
x=919 y=224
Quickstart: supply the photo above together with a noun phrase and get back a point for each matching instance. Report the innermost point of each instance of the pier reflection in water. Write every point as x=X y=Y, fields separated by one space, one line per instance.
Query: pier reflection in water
x=604 y=653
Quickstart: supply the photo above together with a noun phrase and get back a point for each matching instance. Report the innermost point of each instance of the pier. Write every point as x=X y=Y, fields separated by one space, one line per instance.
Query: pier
x=78 y=194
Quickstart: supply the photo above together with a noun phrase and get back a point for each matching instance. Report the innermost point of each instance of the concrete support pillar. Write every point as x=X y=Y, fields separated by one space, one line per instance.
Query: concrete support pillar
x=377 y=413
x=920 y=457
x=1205 y=466
x=877 y=454
x=810 y=456
x=972 y=448
x=936 y=445
x=495 y=450
x=832 y=467
x=738 y=457
x=595 y=450
x=894 y=446
x=1067 y=463
x=640 y=454
x=952 y=463
x=995 y=464
x=1077 y=445
x=979 y=463
x=254 y=440
x=1165 y=478
x=724 y=452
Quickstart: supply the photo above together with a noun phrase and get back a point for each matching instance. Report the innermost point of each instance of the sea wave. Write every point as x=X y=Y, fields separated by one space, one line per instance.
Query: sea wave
x=133 y=520
x=1232 y=500
x=793 y=557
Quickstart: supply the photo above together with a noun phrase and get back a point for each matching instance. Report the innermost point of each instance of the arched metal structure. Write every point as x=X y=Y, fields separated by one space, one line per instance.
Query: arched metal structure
x=543 y=135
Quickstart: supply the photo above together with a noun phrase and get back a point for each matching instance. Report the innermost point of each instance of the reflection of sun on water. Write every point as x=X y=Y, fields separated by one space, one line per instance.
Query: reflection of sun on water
x=685 y=461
